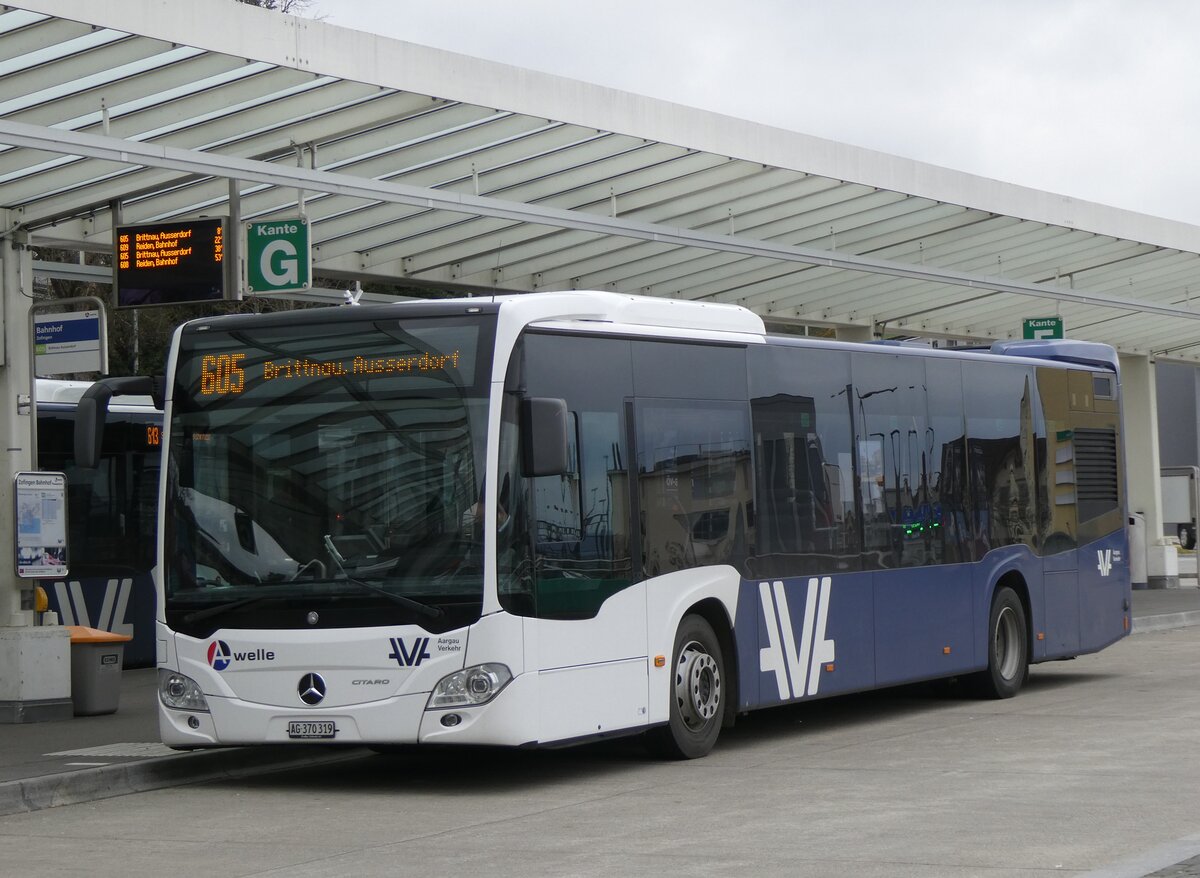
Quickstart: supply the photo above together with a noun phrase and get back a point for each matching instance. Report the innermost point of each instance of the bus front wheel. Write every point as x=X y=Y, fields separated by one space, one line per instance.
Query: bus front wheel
x=697 y=694
x=1008 y=647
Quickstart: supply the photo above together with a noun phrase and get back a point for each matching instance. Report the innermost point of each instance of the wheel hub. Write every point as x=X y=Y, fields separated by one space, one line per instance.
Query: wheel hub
x=1007 y=643
x=697 y=686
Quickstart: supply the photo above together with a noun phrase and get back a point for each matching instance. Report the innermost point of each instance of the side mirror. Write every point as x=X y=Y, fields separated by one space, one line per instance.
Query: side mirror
x=92 y=411
x=544 y=437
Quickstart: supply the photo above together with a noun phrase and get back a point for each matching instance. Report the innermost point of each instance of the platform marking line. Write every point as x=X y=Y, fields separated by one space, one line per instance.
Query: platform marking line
x=136 y=750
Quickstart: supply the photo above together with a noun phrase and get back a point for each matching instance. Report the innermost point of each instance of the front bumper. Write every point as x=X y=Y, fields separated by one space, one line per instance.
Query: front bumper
x=509 y=719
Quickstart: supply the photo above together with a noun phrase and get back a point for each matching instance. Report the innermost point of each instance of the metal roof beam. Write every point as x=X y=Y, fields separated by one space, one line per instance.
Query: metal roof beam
x=703 y=276
x=769 y=214
x=184 y=161
x=695 y=175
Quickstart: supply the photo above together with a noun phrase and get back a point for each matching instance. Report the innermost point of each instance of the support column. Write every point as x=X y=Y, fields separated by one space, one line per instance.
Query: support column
x=1142 y=470
x=35 y=661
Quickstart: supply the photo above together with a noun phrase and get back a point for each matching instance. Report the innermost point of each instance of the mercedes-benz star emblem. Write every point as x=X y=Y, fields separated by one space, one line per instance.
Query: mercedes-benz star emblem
x=311 y=689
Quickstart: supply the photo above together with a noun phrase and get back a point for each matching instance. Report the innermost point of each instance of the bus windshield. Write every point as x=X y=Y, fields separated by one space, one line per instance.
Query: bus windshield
x=327 y=474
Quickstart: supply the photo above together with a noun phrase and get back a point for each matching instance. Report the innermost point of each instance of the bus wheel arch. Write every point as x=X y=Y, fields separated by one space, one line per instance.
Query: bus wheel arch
x=1008 y=639
x=713 y=611
x=703 y=685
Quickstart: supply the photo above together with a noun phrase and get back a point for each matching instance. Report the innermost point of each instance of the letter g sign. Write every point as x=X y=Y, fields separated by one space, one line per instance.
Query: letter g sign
x=278 y=256
x=283 y=254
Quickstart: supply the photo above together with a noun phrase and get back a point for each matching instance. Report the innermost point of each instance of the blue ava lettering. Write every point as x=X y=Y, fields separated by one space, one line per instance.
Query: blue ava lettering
x=409 y=656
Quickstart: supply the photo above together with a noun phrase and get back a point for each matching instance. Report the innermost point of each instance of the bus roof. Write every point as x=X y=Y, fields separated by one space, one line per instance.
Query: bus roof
x=57 y=390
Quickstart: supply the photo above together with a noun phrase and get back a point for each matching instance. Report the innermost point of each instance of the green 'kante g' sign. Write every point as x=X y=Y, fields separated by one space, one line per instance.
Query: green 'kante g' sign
x=1043 y=327
x=278 y=256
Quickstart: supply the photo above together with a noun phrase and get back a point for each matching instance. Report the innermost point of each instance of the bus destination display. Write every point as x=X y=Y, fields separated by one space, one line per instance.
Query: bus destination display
x=170 y=263
x=222 y=374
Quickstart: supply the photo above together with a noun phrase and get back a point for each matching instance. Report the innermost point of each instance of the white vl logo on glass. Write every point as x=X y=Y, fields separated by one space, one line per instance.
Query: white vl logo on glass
x=1105 y=562
x=797 y=672
x=73 y=608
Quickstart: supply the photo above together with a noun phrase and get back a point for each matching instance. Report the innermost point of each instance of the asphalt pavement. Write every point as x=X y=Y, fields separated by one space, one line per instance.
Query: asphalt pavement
x=86 y=758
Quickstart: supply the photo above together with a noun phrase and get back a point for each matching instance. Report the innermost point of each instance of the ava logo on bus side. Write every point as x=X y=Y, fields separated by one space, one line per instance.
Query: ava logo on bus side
x=797 y=672
x=1105 y=559
x=409 y=656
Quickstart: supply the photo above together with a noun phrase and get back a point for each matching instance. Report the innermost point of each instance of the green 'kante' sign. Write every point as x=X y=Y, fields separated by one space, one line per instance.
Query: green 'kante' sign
x=278 y=256
x=1043 y=327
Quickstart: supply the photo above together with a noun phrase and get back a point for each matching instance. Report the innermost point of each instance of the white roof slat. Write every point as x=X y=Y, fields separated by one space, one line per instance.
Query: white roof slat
x=573 y=188
x=118 y=94
x=690 y=206
x=23 y=32
x=624 y=260
x=997 y=234
x=580 y=259
x=12 y=19
x=175 y=200
x=963 y=231
x=502 y=164
x=24 y=63
x=136 y=181
x=674 y=171
x=1153 y=270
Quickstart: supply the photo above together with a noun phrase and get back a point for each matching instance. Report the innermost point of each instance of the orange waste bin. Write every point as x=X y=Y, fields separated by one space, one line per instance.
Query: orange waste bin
x=96 y=669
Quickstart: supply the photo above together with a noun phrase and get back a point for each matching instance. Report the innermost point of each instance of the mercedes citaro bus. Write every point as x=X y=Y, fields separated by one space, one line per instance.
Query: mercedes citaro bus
x=548 y=518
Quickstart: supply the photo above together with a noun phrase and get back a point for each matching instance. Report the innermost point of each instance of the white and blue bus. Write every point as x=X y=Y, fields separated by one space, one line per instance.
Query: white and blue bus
x=549 y=518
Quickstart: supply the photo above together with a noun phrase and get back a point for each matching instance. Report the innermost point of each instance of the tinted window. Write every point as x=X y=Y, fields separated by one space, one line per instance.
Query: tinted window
x=694 y=483
x=1003 y=414
x=570 y=547
x=894 y=443
x=806 y=515
x=1057 y=503
x=945 y=457
x=688 y=371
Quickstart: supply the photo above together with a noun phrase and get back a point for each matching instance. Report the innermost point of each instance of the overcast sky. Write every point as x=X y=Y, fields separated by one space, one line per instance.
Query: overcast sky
x=1098 y=99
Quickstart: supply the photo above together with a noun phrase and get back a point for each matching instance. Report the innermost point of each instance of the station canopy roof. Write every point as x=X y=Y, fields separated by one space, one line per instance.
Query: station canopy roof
x=428 y=168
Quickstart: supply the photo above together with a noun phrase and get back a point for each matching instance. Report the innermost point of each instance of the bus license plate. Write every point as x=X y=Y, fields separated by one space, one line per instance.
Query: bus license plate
x=311 y=729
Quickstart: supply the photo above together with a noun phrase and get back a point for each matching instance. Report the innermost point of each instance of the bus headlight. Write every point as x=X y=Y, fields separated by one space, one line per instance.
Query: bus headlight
x=179 y=692
x=478 y=684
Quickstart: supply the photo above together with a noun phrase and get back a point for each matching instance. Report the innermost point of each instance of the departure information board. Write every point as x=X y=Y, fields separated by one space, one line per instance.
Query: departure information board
x=170 y=263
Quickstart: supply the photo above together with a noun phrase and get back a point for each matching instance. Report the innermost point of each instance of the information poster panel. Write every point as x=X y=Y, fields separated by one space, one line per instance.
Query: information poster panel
x=67 y=343
x=170 y=263
x=41 y=522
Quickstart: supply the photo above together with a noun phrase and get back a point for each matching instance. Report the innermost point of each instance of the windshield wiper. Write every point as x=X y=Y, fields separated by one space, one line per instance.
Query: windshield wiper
x=417 y=606
x=197 y=615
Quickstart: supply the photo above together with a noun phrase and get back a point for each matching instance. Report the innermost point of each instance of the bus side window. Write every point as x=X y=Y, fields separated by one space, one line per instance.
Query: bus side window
x=807 y=519
x=574 y=525
x=695 y=483
x=1003 y=413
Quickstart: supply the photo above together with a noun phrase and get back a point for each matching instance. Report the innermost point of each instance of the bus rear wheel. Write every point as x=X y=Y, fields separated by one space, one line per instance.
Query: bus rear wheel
x=1008 y=647
x=697 y=694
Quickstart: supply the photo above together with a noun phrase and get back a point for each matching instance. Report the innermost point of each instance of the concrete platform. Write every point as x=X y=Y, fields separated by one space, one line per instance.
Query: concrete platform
x=43 y=765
